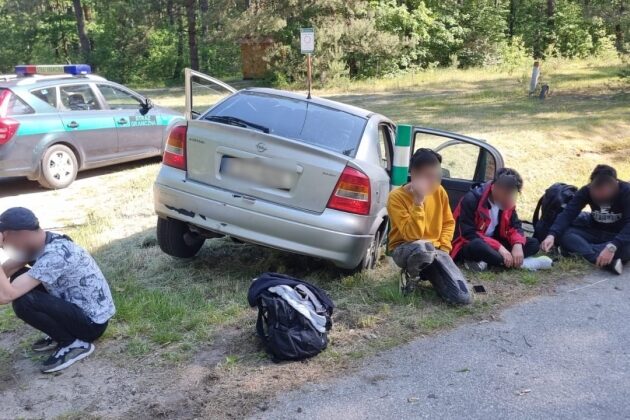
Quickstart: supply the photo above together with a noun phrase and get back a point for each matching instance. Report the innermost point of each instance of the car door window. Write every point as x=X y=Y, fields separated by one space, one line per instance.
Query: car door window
x=460 y=160
x=78 y=98
x=48 y=95
x=385 y=147
x=118 y=98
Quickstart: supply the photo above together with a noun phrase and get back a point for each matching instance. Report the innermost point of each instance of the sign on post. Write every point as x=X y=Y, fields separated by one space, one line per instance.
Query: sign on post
x=307 y=40
x=307 y=45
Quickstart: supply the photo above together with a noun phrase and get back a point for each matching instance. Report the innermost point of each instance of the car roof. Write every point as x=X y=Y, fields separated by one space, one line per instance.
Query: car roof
x=350 y=109
x=47 y=81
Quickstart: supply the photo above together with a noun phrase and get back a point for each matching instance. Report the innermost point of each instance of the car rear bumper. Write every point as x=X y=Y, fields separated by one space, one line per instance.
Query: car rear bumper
x=213 y=214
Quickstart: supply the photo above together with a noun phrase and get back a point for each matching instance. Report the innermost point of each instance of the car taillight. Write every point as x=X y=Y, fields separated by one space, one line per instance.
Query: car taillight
x=8 y=128
x=352 y=193
x=175 y=149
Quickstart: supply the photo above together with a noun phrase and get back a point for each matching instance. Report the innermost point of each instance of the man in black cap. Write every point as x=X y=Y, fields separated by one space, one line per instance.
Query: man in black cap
x=602 y=236
x=63 y=293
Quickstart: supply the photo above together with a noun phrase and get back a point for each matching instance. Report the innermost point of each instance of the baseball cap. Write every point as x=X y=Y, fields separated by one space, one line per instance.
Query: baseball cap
x=18 y=218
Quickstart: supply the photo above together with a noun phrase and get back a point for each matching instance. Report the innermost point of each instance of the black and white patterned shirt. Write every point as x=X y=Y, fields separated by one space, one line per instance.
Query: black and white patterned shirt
x=69 y=272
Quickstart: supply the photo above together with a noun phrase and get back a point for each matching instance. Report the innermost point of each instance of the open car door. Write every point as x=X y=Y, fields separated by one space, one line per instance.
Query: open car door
x=203 y=92
x=466 y=162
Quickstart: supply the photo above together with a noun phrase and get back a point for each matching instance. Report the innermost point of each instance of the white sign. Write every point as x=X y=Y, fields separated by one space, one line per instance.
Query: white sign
x=307 y=40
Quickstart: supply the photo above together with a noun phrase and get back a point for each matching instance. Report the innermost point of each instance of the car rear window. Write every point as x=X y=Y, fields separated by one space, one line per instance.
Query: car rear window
x=11 y=105
x=296 y=119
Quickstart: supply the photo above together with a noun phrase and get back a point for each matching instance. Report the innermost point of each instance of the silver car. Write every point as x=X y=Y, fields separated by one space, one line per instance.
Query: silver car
x=308 y=176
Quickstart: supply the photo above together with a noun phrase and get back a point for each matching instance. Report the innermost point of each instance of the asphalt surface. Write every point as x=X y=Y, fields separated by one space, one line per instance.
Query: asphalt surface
x=559 y=356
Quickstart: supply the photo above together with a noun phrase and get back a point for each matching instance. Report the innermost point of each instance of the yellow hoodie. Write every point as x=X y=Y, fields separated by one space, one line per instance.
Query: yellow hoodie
x=432 y=221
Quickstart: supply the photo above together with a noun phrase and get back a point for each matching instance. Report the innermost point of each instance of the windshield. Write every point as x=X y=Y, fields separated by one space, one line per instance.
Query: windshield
x=295 y=119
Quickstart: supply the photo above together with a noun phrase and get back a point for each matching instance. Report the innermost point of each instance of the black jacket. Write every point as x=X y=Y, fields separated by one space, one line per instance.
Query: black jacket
x=267 y=280
x=613 y=217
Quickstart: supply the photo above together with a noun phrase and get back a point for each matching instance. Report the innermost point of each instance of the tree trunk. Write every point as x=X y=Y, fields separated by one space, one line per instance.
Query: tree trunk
x=619 y=38
x=204 y=7
x=551 y=10
x=179 y=63
x=84 y=41
x=192 y=34
x=170 y=13
x=512 y=18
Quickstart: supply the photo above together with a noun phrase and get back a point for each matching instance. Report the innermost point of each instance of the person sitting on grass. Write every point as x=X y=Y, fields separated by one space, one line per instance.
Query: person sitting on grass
x=63 y=294
x=488 y=230
x=602 y=237
x=422 y=229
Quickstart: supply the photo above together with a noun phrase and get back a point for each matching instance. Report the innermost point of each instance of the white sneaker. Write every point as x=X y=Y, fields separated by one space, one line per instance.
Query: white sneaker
x=617 y=266
x=537 y=263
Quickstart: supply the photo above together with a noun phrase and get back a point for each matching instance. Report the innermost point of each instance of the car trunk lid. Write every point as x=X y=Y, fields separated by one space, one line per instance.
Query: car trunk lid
x=256 y=165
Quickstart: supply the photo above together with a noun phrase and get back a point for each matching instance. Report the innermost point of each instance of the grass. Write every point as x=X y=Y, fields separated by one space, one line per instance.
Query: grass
x=168 y=308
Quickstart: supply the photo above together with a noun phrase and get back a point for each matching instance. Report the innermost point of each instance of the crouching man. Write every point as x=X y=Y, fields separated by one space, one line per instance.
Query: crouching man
x=422 y=228
x=488 y=230
x=603 y=236
x=63 y=294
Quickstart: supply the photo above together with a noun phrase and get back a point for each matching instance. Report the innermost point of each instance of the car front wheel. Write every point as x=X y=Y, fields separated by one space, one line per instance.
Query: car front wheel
x=176 y=239
x=59 y=167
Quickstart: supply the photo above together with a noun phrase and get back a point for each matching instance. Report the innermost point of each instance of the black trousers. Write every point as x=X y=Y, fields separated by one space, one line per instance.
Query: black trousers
x=588 y=242
x=479 y=250
x=62 y=321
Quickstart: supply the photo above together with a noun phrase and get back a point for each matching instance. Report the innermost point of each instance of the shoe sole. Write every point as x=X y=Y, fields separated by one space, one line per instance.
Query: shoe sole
x=71 y=362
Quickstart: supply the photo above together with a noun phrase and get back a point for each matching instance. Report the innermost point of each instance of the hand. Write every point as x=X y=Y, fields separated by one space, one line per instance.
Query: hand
x=517 y=255
x=548 y=243
x=418 y=197
x=508 y=260
x=605 y=258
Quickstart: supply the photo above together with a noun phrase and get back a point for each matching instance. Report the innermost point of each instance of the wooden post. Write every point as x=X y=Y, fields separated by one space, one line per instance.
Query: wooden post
x=309 y=71
x=535 y=75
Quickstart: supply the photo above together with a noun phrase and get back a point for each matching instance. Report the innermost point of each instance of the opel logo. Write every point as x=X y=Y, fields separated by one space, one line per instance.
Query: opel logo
x=261 y=147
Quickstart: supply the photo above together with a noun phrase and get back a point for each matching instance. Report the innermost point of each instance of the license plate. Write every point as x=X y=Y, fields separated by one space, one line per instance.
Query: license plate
x=257 y=172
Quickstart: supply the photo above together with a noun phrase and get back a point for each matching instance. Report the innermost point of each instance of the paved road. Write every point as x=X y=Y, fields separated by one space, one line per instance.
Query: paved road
x=560 y=356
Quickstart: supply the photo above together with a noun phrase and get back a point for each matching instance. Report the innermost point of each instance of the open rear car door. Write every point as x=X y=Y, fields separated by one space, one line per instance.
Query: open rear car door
x=466 y=161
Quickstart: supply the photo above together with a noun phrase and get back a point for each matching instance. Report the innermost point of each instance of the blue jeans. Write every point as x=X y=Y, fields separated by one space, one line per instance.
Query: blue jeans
x=584 y=240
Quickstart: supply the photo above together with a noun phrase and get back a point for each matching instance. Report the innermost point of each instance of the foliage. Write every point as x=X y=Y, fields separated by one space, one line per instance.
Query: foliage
x=151 y=42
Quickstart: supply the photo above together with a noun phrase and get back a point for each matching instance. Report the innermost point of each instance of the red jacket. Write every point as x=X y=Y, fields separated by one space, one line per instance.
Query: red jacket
x=472 y=216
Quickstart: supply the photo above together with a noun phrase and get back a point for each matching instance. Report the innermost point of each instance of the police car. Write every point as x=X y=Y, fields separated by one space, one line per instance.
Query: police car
x=56 y=120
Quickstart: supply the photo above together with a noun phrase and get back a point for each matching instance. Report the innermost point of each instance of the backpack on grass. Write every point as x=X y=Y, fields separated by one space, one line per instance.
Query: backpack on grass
x=294 y=316
x=550 y=205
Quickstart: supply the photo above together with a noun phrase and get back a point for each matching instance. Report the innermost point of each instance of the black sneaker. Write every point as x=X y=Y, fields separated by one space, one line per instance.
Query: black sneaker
x=66 y=356
x=44 y=344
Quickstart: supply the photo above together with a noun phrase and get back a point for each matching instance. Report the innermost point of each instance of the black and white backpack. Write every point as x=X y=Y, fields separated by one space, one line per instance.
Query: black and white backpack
x=294 y=316
x=550 y=205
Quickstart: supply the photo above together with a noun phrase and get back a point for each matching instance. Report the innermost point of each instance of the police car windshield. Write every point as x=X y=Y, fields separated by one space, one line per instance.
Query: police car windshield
x=295 y=119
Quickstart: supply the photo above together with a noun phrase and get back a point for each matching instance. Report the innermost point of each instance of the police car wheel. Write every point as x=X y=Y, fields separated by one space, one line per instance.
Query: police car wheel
x=59 y=167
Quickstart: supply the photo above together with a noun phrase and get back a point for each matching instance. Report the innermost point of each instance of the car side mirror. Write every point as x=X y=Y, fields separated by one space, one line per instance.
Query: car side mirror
x=146 y=106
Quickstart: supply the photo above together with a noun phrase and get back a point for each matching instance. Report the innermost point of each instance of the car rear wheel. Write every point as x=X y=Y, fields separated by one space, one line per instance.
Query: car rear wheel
x=372 y=254
x=176 y=239
x=59 y=167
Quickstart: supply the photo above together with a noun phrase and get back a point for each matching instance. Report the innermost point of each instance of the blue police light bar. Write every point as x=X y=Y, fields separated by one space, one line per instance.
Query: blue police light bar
x=73 y=69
